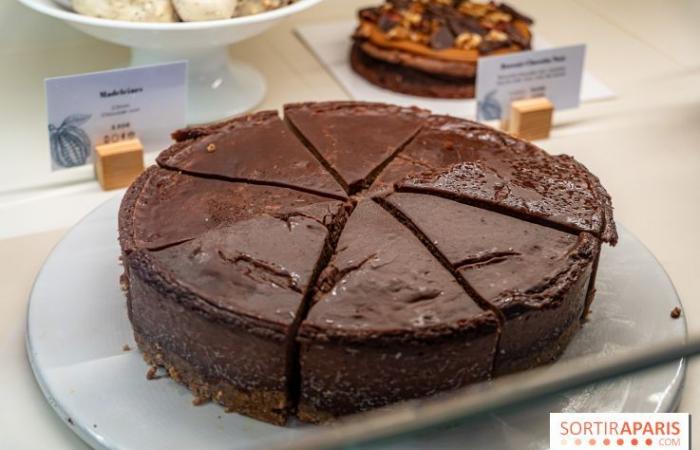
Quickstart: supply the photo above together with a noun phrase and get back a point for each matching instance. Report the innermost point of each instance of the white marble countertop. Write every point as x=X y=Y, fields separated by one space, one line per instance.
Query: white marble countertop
x=644 y=145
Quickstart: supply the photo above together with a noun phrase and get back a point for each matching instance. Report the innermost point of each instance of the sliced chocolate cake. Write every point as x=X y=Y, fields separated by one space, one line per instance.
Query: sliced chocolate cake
x=498 y=171
x=354 y=255
x=442 y=142
x=549 y=190
x=534 y=275
x=226 y=326
x=164 y=207
x=388 y=323
x=256 y=148
x=338 y=133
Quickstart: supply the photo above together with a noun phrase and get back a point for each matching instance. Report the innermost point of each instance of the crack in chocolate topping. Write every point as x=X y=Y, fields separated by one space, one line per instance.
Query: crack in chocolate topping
x=417 y=162
x=271 y=272
x=484 y=259
x=332 y=275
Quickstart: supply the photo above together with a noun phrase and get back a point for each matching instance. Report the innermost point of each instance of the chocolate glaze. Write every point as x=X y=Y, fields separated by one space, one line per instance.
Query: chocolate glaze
x=383 y=287
x=500 y=171
x=223 y=346
x=524 y=269
x=164 y=207
x=246 y=279
x=258 y=147
x=442 y=142
x=333 y=130
x=259 y=267
x=261 y=298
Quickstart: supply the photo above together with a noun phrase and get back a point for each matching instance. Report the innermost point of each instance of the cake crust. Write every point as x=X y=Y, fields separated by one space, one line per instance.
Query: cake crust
x=261 y=403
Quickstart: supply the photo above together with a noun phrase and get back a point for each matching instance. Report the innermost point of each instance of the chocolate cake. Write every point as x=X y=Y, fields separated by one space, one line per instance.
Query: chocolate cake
x=331 y=133
x=353 y=255
x=430 y=48
x=386 y=299
x=534 y=275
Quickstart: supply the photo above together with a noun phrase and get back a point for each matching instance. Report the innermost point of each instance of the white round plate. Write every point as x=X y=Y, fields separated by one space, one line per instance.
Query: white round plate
x=77 y=328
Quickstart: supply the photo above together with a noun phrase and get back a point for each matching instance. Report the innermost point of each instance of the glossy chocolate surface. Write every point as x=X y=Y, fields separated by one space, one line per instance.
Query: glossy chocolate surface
x=472 y=162
x=389 y=323
x=383 y=280
x=495 y=253
x=462 y=253
x=259 y=267
x=166 y=207
x=338 y=131
x=536 y=276
x=258 y=147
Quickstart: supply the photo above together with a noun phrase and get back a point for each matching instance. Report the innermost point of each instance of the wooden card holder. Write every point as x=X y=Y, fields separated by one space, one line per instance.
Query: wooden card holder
x=530 y=118
x=118 y=164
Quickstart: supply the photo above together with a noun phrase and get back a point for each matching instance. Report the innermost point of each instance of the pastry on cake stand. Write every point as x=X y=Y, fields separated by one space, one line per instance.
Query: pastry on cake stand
x=218 y=86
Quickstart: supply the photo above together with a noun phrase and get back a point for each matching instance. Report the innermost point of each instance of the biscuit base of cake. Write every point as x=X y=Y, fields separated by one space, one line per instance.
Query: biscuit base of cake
x=261 y=405
x=406 y=80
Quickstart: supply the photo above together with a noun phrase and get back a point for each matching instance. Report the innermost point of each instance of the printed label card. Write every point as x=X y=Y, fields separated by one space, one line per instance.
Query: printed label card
x=555 y=73
x=86 y=110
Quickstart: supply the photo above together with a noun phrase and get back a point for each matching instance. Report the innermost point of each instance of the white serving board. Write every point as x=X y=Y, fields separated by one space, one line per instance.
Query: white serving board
x=77 y=326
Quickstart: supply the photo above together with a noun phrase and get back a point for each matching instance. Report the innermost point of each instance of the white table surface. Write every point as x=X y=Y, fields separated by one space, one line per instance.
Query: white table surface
x=644 y=145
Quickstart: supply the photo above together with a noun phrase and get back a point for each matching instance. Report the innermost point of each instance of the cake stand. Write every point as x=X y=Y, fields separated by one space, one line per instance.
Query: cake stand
x=83 y=354
x=218 y=86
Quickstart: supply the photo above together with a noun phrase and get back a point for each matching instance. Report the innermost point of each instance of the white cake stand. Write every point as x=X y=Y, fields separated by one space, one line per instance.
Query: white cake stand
x=218 y=86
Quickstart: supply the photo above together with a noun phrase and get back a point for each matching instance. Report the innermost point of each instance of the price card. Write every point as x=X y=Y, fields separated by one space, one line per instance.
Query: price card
x=105 y=107
x=555 y=73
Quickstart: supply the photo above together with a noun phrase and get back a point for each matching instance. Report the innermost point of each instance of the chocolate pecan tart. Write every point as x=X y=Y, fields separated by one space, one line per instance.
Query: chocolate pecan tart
x=430 y=47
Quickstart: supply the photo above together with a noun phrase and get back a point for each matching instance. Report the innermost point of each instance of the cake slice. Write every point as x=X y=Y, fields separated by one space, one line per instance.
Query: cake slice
x=388 y=323
x=219 y=312
x=255 y=148
x=537 y=276
x=442 y=142
x=555 y=190
x=494 y=170
x=356 y=140
x=163 y=207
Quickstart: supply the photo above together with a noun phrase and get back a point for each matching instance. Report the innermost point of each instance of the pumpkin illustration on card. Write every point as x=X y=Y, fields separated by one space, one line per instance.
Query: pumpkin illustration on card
x=70 y=144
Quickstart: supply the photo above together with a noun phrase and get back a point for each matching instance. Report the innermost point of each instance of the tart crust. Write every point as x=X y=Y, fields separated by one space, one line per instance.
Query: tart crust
x=407 y=80
x=260 y=404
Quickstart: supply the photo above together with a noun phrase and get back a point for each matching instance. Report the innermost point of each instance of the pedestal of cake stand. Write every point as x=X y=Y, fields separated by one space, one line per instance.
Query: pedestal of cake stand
x=218 y=87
